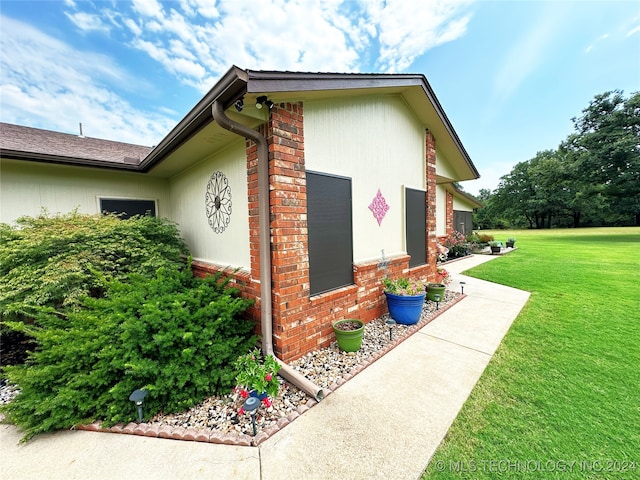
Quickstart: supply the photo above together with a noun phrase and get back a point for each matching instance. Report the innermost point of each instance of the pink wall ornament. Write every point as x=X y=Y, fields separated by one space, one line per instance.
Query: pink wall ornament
x=379 y=207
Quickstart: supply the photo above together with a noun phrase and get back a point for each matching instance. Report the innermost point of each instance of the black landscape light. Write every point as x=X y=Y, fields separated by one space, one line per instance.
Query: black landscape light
x=390 y=322
x=138 y=396
x=437 y=299
x=250 y=405
x=462 y=284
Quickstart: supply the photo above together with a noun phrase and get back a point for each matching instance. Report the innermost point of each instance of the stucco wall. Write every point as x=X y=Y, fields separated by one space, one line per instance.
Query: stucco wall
x=27 y=187
x=441 y=211
x=188 y=190
x=461 y=205
x=379 y=144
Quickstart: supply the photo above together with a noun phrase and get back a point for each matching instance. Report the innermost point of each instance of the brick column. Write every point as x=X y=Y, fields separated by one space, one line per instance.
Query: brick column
x=449 y=213
x=289 y=241
x=432 y=253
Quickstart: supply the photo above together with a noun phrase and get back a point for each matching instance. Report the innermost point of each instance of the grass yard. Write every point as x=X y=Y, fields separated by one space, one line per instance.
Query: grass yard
x=561 y=397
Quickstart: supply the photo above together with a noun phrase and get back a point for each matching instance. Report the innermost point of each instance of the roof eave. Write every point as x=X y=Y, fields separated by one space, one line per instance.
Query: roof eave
x=230 y=87
x=62 y=160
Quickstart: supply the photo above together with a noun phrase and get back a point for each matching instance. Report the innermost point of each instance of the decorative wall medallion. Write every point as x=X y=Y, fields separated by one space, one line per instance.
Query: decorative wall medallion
x=218 y=202
x=379 y=207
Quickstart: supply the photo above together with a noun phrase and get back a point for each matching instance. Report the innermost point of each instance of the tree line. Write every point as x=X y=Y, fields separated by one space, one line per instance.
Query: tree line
x=591 y=179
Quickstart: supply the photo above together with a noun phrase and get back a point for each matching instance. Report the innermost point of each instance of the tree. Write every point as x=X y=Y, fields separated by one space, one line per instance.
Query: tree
x=607 y=142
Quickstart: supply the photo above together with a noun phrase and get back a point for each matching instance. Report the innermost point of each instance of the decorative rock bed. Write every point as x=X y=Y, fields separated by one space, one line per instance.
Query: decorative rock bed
x=216 y=419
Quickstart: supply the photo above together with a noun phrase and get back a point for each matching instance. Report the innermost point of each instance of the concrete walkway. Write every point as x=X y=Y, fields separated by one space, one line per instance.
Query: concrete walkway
x=386 y=422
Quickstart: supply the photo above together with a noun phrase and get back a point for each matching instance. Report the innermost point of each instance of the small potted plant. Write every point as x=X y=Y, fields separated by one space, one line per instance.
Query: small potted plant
x=256 y=376
x=511 y=242
x=496 y=247
x=349 y=333
x=405 y=299
x=443 y=278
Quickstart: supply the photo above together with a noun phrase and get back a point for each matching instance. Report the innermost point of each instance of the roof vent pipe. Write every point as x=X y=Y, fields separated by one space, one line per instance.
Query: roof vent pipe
x=266 y=320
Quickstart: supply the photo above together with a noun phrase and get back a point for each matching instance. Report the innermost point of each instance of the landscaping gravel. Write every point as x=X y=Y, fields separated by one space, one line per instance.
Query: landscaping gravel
x=326 y=368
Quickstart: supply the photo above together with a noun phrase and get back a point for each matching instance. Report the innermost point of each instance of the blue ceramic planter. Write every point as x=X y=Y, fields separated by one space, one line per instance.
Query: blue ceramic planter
x=405 y=309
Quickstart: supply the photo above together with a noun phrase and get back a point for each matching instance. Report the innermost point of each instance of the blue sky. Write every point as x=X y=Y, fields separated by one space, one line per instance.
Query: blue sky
x=509 y=74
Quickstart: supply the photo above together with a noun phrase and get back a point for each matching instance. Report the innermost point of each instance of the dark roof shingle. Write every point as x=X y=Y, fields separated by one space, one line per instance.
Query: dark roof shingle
x=20 y=142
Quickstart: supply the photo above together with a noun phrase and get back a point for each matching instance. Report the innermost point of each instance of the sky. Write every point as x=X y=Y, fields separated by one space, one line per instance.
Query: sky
x=509 y=74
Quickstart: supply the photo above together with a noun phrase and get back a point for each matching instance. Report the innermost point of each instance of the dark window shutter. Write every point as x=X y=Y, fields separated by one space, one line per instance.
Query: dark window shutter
x=462 y=221
x=330 y=232
x=416 y=225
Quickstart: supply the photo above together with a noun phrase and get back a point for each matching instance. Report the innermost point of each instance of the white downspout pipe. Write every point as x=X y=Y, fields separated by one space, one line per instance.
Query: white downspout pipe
x=266 y=320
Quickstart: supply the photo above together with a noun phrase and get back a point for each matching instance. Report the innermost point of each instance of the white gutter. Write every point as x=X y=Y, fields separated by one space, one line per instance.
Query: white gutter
x=266 y=320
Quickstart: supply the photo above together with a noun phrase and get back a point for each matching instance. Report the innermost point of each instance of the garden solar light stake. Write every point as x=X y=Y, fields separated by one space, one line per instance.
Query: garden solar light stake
x=138 y=396
x=250 y=405
x=391 y=322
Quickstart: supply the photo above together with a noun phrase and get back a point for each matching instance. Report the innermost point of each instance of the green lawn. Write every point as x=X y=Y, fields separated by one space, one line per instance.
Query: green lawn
x=564 y=386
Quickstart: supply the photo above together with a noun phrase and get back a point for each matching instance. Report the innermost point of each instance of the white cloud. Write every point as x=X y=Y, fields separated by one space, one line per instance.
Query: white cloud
x=48 y=83
x=148 y=8
x=314 y=35
x=409 y=28
x=87 y=22
x=633 y=31
x=196 y=41
x=602 y=37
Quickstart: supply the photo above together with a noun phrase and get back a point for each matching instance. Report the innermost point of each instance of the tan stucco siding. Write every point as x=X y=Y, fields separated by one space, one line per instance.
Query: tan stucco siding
x=441 y=210
x=444 y=169
x=188 y=190
x=28 y=187
x=379 y=144
x=461 y=205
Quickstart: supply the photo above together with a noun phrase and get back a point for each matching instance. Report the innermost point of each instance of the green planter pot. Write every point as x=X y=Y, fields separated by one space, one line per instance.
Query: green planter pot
x=349 y=340
x=434 y=289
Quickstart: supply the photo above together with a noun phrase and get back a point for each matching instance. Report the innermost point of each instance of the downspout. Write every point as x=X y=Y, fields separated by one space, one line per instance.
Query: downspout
x=266 y=320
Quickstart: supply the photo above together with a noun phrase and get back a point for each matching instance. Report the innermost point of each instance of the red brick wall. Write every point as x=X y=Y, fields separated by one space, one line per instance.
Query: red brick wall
x=302 y=323
x=432 y=253
x=449 y=213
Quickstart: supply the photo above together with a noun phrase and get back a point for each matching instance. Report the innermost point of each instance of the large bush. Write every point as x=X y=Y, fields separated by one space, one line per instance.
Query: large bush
x=56 y=260
x=173 y=334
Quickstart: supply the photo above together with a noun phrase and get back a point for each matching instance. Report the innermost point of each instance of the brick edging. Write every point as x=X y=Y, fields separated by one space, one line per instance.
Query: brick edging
x=208 y=435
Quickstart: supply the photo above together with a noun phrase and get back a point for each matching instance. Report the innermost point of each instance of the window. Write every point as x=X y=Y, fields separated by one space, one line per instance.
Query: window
x=416 y=225
x=330 y=232
x=126 y=207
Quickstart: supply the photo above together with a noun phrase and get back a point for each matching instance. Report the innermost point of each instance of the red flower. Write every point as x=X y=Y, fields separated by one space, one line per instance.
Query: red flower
x=266 y=401
x=268 y=377
x=241 y=411
x=244 y=393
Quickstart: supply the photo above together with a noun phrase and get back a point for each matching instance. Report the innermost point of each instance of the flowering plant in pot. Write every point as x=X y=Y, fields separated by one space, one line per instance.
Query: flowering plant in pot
x=403 y=286
x=442 y=276
x=405 y=299
x=256 y=376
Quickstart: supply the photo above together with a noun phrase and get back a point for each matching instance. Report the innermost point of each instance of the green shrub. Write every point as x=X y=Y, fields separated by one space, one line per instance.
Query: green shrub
x=175 y=335
x=56 y=260
x=485 y=238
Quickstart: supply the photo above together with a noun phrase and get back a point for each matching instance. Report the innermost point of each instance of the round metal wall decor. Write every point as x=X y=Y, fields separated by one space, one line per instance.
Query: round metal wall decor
x=218 y=202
